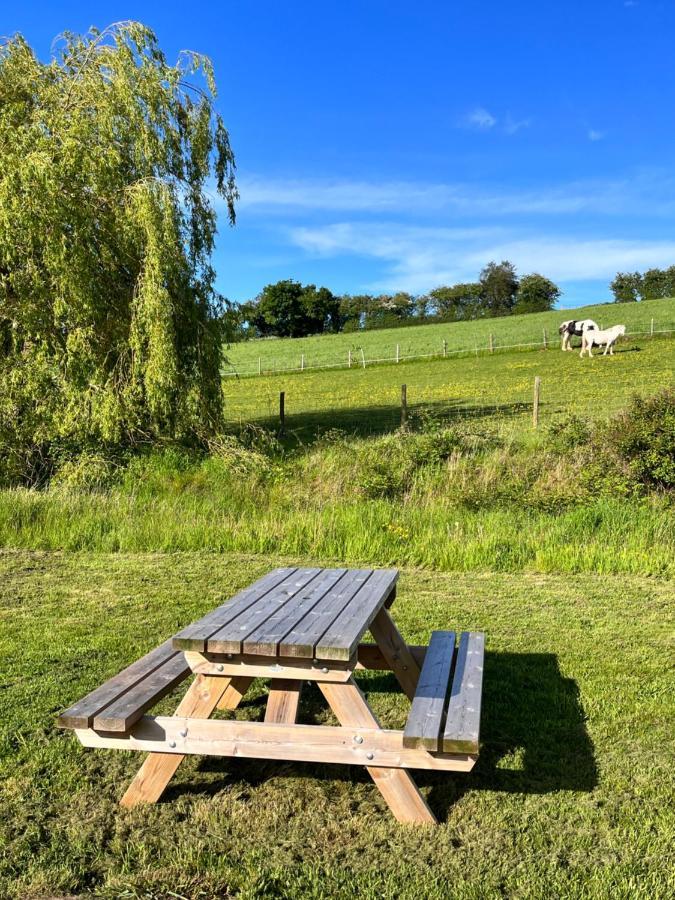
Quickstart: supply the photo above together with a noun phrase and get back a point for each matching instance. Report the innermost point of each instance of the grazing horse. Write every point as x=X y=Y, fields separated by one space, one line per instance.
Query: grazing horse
x=596 y=338
x=574 y=328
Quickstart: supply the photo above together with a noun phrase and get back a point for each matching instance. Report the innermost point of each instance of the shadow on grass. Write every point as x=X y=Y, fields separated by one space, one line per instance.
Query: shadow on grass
x=363 y=421
x=533 y=739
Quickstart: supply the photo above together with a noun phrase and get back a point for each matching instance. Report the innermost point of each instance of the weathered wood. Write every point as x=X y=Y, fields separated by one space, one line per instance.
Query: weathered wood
x=82 y=713
x=195 y=635
x=121 y=714
x=283 y=701
x=462 y=725
x=369 y=656
x=263 y=740
x=269 y=667
x=396 y=785
x=234 y=692
x=395 y=650
x=301 y=640
x=342 y=637
x=425 y=720
x=159 y=768
x=266 y=638
x=229 y=638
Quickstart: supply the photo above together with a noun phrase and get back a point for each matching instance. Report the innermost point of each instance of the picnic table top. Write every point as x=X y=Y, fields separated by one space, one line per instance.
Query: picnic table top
x=309 y=613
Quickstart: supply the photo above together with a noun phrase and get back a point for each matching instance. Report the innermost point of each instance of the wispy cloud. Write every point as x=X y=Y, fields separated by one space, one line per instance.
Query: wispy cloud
x=649 y=193
x=595 y=135
x=419 y=258
x=513 y=126
x=480 y=119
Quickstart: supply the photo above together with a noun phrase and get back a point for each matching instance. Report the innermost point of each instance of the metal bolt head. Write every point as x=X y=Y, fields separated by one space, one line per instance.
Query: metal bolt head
x=220 y=667
x=228 y=656
x=325 y=670
x=172 y=743
x=358 y=739
x=369 y=755
x=183 y=732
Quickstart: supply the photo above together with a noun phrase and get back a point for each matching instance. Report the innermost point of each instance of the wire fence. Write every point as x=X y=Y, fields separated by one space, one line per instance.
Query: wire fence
x=357 y=358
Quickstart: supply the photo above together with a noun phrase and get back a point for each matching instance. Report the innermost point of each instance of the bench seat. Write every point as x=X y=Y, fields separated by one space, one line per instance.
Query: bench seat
x=122 y=700
x=445 y=712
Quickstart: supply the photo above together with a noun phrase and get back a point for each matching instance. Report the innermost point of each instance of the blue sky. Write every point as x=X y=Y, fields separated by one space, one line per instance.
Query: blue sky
x=387 y=146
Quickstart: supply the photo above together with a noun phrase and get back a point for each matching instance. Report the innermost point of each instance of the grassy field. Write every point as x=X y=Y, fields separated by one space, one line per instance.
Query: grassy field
x=571 y=796
x=333 y=349
x=497 y=388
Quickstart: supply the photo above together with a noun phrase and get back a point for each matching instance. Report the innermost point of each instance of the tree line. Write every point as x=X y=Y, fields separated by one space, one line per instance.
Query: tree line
x=629 y=287
x=291 y=309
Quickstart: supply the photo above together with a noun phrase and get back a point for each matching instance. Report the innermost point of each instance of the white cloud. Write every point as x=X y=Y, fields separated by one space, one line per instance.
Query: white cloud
x=594 y=135
x=480 y=119
x=513 y=126
x=419 y=258
x=649 y=193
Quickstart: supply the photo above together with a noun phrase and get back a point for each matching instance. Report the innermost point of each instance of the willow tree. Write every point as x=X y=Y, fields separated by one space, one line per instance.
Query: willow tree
x=108 y=315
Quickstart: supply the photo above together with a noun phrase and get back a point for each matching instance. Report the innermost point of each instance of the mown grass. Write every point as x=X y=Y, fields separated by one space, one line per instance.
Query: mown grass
x=495 y=388
x=571 y=796
x=332 y=349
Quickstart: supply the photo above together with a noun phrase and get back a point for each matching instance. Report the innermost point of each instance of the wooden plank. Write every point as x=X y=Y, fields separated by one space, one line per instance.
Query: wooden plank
x=82 y=713
x=121 y=714
x=369 y=656
x=395 y=650
x=265 y=639
x=230 y=637
x=261 y=740
x=195 y=635
x=462 y=725
x=283 y=701
x=234 y=692
x=159 y=768
x=395 y=784
x=343 y=635
x=302 y=639
x=425 y=720
x=269 y=667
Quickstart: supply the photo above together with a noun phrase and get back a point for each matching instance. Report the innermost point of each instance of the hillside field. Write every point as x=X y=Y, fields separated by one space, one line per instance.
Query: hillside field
x=275 y=354
x=497 y=387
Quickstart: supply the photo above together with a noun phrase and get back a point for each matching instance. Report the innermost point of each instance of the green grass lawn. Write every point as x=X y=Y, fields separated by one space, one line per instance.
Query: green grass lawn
x=497 y=387
x=572 y=795
x=333 y=349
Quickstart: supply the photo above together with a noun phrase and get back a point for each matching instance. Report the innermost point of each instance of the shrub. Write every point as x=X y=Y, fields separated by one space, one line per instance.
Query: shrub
x=641 y=440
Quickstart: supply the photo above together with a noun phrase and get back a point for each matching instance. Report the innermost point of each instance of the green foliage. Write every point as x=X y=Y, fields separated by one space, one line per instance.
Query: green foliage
x=109 y=333
x=626 y=286
x=499 y=285
x=642 y=440
x=536 y=294
x=290 y=309
x=461 y=301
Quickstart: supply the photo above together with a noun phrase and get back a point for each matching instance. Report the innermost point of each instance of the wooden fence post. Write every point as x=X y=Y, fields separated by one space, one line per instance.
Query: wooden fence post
x=398 y=359
x=535 y=404
x=404 y=407
x=302 y=362
x=492 y=344
x=259 y=366
x=445 y=347
x=545 y=340
x=651 y=329
x=349 y=359
x=363 y=358
x=282 y=412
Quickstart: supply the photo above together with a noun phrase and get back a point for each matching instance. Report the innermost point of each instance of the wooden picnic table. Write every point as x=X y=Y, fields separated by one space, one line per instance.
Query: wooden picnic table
x=292 y=626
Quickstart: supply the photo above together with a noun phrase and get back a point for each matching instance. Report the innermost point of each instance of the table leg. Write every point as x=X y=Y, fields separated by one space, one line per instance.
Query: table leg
x=396 y=785
x=205 y=692
x=396 y=651
x=283 y=701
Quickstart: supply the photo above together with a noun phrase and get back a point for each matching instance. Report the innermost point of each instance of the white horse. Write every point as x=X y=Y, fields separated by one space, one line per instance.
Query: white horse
x=595 y=338
x=574 y=328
